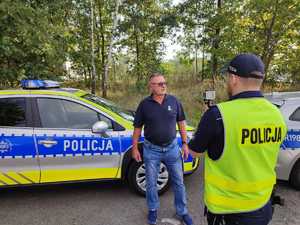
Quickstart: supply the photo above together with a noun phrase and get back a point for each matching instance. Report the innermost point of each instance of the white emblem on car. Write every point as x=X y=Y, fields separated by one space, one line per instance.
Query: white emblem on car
x=5 y=146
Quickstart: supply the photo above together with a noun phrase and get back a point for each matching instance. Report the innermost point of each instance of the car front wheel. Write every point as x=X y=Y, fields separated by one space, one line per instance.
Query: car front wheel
x=137 y=178
x=295 y=176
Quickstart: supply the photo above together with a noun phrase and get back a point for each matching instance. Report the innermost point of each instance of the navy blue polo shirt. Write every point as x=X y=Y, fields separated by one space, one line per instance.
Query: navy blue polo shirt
x=210 y=132
x=159 y=120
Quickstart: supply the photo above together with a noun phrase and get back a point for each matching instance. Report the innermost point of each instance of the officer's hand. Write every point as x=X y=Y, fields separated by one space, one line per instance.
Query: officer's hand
x=205 y=107
x=185 y=150
x=136 y=155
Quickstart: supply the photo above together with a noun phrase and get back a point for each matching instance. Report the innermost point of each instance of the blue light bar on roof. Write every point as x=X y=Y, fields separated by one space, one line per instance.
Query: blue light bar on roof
x=32 y=84
x=39 y=84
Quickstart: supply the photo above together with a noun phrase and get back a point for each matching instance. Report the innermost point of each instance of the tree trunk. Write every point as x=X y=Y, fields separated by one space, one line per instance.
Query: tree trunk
x=203 y=66
x=196 y=52
x=115 y=23
x=268 y=51
x=90 y=77
x=92 y=49
x=102 y=52
x=137 y=54
x=98 y=41
x=216 y=42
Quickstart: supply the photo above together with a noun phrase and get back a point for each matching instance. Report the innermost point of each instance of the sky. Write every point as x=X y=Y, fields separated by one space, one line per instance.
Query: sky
x=171 y=49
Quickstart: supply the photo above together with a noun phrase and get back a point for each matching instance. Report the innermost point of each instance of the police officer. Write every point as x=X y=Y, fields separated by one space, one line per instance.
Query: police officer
x=158 y=114
x=241 y=138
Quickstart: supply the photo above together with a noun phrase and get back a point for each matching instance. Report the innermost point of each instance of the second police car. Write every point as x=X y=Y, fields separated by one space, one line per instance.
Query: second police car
x=288 y=165
x=50 y=134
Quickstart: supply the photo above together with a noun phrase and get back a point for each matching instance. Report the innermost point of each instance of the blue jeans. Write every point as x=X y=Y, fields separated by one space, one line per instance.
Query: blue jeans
x=261 y=216
x=171 y=156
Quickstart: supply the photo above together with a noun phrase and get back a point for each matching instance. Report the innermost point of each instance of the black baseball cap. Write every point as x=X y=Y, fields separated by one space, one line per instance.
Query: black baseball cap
x=248 y=66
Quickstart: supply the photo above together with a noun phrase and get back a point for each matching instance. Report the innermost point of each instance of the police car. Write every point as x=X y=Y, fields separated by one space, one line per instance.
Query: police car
x=288 y=166
x=50 y=134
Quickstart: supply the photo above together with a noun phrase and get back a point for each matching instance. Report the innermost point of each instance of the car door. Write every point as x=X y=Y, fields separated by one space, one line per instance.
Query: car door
x=18 y=154
x=290 y=149
x=68 y=149
x=291 y=112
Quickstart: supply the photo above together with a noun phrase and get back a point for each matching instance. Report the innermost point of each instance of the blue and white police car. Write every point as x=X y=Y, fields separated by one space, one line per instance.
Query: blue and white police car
x=50 y=134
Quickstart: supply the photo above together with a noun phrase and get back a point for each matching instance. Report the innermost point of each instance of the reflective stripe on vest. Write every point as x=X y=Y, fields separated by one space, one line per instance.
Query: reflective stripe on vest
x=243 y=178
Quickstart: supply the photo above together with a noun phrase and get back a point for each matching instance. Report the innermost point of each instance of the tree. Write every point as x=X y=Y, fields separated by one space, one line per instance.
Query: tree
x=32 y=40
x=192 y=19
x=85 y=28
x=93 y=50
x=263 y=27
x=143 y=27
x=275 y=25
x=202 y=23
x=109 y=57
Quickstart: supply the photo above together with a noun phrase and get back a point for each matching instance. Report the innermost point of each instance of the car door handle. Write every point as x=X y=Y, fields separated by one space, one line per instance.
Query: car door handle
x=105 y=135
x=47 y=143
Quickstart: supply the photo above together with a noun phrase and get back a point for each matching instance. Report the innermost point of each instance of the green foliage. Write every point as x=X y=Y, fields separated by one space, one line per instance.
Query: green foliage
x=143 y=26
x=38 y=38
x=32 y=40
x=265 y=27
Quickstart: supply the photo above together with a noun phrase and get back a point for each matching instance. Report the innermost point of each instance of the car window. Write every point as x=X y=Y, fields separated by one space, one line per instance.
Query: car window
x=125 y=113
x=12 y=112
x=59 y=113
x=295 y=116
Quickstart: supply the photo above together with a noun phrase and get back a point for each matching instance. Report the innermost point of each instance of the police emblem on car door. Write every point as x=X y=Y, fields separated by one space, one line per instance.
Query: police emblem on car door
x=68 y=148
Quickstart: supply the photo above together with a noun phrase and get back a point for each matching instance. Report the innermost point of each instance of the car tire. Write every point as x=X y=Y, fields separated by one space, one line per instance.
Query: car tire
x=137 y=178
x=295 y=176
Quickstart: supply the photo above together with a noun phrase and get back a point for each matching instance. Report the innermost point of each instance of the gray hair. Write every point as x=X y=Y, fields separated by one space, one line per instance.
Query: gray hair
x=155 y=75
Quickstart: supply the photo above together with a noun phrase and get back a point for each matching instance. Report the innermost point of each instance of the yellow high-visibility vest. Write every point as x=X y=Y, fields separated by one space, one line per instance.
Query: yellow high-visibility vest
x=242 y=179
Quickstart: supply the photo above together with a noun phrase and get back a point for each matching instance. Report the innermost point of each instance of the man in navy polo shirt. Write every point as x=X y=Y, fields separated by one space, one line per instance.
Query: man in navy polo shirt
x=242 y=138
x=158 y=114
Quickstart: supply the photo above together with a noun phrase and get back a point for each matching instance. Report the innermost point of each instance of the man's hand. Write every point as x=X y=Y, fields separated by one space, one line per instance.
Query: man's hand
x=195 y=154
x=136 y=155
x=206 y=106
x=135 y=150
x=185 y=151
x=182 y=130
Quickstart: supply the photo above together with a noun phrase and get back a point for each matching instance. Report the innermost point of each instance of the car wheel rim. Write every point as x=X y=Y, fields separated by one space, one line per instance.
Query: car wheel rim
x=162 y=179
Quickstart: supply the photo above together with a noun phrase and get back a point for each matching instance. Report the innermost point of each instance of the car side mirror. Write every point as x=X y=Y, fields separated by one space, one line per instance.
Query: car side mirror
x=100 y=127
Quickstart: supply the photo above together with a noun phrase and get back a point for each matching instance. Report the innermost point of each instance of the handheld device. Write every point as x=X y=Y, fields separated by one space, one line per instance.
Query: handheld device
x=209 y=97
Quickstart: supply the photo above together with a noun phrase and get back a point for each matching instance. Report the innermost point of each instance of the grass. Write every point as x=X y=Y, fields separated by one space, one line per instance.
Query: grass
x=188 y=90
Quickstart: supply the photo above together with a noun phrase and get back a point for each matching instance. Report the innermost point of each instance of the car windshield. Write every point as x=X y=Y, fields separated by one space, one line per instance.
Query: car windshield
x=126 y=114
